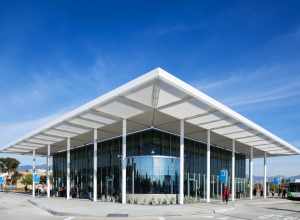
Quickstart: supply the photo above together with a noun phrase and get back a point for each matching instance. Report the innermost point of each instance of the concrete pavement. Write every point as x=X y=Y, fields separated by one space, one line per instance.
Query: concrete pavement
x=19 y=206
x=78 y=207
x=15 y=206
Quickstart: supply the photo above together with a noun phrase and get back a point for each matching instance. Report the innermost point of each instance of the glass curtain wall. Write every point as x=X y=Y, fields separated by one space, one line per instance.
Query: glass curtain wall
x=152 y=167
x=195 y=170
x=81 y=172
x=152 y=163
x=109 y=170
x=59 y=174
x=152 y=174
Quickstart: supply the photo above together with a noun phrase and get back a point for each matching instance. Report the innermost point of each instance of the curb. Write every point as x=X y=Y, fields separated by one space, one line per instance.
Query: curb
x=55 y=213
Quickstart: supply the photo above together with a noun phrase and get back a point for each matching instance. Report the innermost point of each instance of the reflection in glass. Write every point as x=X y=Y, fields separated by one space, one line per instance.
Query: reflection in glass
x=152 y=166
x=152 y=174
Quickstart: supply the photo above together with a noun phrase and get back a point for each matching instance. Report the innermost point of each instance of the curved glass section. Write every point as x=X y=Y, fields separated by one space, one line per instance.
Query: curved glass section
x=152 y=174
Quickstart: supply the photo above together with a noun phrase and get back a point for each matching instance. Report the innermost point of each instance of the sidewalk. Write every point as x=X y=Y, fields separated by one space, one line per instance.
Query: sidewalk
x=77 y=207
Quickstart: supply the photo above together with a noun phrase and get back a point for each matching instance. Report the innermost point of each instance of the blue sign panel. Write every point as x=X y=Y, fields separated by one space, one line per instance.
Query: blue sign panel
x=223 y=176
x=1 y=180
x=276 y=180
x=36 y=179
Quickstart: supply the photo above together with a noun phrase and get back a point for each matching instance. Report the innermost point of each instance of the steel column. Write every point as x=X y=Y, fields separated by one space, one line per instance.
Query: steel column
x=208 y=168
x=33 y=173
x=233 y=171
x=265 y=175
x=48 y=170
x=251 y=173
x=95 y=137
x=68 y=167
x=181 y=170
x=124 y=161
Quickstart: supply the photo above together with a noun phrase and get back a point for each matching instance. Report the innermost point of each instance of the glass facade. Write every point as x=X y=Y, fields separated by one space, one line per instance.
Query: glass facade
x=152 y=166
x=59 y=174
x=153 y=174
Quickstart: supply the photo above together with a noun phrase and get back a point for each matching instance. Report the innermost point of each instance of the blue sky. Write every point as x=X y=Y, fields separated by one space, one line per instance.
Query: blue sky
x=56 y=55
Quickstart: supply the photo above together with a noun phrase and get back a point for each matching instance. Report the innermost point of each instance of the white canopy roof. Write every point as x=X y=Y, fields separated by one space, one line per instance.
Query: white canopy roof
x=160 y=100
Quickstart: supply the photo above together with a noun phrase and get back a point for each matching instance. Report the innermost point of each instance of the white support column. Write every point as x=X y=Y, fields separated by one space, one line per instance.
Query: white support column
x=33 y=173
x=48 y=171
x=68 y=167
x=265 y=175
x=124 y=161
x=95 y=164
x=208 y=168
x=181 y=169
x=233 y=171
x=251 y=173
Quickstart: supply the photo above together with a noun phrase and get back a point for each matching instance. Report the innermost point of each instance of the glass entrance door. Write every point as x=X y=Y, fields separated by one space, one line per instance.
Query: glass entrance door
x=192 y=186
x=109 y=188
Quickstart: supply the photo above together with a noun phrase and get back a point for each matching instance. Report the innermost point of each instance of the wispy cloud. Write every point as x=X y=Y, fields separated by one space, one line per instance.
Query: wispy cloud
x=244 y=88
x=51 y=88
x=276 y=94
x=296 y=143
x=64 y=88
x=275 y=81
x=10 y=131
x=210 y=85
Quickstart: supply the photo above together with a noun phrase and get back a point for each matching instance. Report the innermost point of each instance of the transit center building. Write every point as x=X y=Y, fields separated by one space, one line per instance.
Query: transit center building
x=155 y=139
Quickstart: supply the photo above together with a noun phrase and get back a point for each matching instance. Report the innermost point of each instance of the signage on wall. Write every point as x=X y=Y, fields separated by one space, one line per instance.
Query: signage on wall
x=276 y=180
x=223 y=176
x=36 y=179
x=1 y=180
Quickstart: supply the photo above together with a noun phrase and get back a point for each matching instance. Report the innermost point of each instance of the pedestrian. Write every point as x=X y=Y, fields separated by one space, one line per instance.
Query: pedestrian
x=283 y=193
x=226 y=194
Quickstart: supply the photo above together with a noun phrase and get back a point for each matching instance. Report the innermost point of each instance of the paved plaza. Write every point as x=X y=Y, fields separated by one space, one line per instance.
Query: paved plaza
x=19 y=206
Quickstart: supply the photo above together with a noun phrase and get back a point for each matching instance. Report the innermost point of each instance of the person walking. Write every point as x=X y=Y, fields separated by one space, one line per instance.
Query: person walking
x=226 y=194
x=283 y=193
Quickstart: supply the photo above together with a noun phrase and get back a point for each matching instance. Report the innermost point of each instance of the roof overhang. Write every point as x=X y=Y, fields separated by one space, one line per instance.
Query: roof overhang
x=155 y=99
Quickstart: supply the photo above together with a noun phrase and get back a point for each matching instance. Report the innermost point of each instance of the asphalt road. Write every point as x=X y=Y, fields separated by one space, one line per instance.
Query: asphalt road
x=17 y=207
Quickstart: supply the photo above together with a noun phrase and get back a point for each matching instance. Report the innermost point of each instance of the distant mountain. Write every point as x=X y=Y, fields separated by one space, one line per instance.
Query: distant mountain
x=292 y=178
x=23 y=168
x=260 y=179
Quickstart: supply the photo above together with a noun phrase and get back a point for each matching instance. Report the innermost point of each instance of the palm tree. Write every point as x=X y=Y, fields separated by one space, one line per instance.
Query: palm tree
x=27 y=180
x=8 y=165
x=3 y=167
